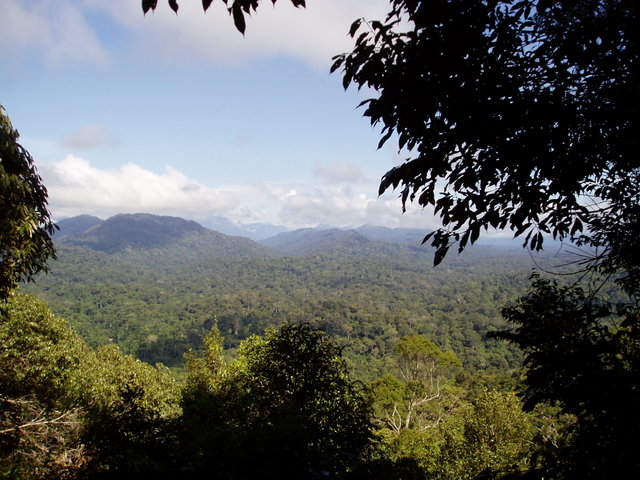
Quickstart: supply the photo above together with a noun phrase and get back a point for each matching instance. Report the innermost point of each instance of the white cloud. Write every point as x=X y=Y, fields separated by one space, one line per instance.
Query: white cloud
x=308 y=205
x=76 y=187
x=88 y=137
x=55 y=29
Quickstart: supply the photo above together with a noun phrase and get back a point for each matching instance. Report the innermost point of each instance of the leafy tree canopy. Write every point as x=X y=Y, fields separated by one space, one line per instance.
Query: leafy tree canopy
x=517 y=114
x=284 y=408
x=585 y=356
x=25 y=221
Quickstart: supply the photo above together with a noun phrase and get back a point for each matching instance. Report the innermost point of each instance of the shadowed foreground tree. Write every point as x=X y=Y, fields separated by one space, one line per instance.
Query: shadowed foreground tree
x=524 y=115
x=585 y=356
x=285 y=408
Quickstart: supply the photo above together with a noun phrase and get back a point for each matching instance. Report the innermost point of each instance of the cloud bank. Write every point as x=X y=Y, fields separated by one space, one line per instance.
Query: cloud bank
x=77 y=187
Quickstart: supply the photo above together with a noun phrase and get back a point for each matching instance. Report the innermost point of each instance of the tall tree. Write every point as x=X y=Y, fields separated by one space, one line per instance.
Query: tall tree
x=422 y=398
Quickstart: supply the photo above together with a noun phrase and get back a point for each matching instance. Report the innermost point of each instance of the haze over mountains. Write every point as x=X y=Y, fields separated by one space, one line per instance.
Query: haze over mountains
x=143 y=232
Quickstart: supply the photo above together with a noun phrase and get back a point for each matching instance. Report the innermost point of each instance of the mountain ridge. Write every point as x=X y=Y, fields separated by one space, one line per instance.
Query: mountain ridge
x=124 y=234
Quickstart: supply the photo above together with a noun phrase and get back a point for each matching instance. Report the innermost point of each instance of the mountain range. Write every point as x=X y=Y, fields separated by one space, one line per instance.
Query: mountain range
x=152 y=235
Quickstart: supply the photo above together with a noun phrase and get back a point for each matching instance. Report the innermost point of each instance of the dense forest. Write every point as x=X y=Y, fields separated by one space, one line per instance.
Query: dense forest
x=284 y=406
x=157 y=302
x=160 y=349
x=349 y=358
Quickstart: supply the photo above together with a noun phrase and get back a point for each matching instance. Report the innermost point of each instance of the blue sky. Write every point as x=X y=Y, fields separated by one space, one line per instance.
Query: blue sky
x=182 y=115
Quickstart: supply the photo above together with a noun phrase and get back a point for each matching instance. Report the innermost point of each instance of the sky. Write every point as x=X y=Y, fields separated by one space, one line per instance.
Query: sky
x=182 y=115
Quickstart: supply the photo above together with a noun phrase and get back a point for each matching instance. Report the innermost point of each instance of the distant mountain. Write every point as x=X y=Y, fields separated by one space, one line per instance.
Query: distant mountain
x=336 y=242
x=162 y=240
x=70 y=227
x=309 y=241
x=405 y=236
x=137 y=231
x=148 y=238
x=414 y=237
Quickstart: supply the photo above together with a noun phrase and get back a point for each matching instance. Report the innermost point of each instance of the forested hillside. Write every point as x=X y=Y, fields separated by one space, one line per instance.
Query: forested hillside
x=157 y=300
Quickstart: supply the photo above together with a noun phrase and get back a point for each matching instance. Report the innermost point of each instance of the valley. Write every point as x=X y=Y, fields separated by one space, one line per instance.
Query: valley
x=155 y=285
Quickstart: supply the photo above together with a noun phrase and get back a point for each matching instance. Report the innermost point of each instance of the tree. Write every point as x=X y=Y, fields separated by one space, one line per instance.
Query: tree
x=584 y=355
x=25 y=221
x=132 y=408
x=285 y=408
x=40 y=421
x=522 y=114
x=517 y=114
x=421 y=399
x=493 y=437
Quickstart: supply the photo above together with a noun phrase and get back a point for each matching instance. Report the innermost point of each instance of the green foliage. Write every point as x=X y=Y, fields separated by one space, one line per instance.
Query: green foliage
x=418 y=356
x=494 y=437
x=25 y=221
x=159 y=310
x=131 y=411
x=67 y=410
x=426 y=394
x=38 y=351
x=487 y=437
x=584 y=356
x=284 y=409
x=40 y=419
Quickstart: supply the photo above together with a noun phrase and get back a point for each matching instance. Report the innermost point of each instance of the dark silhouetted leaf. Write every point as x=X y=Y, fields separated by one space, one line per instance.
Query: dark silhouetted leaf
x=440 y=254
x=238 y=17
x=174 y=5
x=385 y=138
x=206 y=4
x=149 y=5
x=354 y=27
